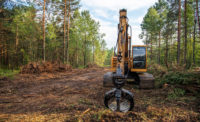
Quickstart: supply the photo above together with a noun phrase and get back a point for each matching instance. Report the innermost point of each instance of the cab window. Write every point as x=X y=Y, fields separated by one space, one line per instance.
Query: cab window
x=139 y=57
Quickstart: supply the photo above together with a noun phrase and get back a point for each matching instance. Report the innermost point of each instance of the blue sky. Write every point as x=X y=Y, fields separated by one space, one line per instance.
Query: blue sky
x=107 y=13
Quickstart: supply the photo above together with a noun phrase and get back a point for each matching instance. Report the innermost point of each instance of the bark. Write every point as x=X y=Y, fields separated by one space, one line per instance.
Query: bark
x=64 y=30
x=194 y=39
x=16 y=38
x=44 y=31
x=6 y=56
x=170 y=48
x=185 y=46
x=179 y=33
x=151 y=49
x=68 y=27
x=166 y=52
x=1 y=55
x=93 y=50
x=197 y=13
x=159 y=48
x=85 y=52
x=76 y=53
x=2 y=49
x=16 y=45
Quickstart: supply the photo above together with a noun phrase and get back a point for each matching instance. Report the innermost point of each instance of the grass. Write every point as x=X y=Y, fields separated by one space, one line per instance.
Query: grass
x=8 y=73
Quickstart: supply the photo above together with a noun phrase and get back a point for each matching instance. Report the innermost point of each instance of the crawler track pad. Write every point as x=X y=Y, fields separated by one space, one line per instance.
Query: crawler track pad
x=146 y=81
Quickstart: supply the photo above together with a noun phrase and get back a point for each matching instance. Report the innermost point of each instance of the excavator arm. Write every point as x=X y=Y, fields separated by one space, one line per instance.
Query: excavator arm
x=128 y=62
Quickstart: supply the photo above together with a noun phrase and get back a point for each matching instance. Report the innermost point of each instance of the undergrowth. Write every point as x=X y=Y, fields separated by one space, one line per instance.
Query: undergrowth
x=178 y=80
x=8 y=73
x=176 y=93
x=174 y=75
x=182 y=78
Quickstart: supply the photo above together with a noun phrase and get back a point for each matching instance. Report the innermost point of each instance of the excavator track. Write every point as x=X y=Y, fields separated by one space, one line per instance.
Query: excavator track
x=146 y=81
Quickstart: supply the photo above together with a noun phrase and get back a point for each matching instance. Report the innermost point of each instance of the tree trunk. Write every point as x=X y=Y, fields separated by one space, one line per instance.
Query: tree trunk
x=194 y=40
x=185 y=49
x=16 y=38
x=68 y=27
x=179 y=33
x=159 y=48
x=64 y=30
x=166 y=52
x=170 y=48
x=85 y=52
x=151 y=49
x=16 y=46
x=44 y=31
x=6 y=55
x=93 y=50
x=2 y=49
x=197 y=14
x=76 y=53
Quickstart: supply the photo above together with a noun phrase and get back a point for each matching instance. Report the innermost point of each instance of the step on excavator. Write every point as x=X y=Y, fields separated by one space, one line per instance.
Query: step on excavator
x=129 y=64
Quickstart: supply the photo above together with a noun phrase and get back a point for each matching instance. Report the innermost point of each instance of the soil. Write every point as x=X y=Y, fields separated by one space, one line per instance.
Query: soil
x=78 y=95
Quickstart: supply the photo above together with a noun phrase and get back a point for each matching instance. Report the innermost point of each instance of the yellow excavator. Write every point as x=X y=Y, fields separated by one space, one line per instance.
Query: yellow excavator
x=129 y=63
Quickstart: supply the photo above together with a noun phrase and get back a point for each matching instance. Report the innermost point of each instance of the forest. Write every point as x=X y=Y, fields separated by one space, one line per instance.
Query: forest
x=54 y=58
x=52 y=30
x=171 y=30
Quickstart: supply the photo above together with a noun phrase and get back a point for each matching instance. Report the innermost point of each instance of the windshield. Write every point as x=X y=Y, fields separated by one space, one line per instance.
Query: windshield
x=139 y=57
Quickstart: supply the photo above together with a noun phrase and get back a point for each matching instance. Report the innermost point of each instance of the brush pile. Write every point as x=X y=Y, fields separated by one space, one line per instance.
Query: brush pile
x=50 y=67
x=92 y=65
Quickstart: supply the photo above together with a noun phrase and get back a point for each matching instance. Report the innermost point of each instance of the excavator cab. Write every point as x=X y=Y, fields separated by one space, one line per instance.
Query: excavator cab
x=139 y=58
x=137 y=62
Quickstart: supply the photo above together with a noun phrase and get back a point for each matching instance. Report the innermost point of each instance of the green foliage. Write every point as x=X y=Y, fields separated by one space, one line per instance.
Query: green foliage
x=174 y=75
x=23 y=35
x=86 y=42
x=8 y=73
x=108 y=57
x=150 y=21
x=182 y=78
x=160 y=24
x=175 y=93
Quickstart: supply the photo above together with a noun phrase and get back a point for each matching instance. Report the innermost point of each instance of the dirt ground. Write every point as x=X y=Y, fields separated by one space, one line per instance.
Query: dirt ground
x=77 y=95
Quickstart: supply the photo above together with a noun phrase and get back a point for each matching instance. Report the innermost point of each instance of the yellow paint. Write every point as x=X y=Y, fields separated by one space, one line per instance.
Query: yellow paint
x=123 y=47
x=138 y=70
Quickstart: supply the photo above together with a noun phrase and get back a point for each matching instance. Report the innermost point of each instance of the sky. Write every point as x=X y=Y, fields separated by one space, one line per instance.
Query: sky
x=107 y=13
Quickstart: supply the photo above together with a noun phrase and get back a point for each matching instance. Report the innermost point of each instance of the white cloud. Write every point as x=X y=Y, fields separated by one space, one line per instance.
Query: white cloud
x=101 y=13
x=115 y=17
x=136 y=20
x=111 y=35
x=110 y=30
x=107 y=13
x=118 y=4
x=135 y=36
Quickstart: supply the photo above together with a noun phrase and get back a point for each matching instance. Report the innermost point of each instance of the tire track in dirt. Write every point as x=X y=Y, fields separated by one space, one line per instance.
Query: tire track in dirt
x=30 y=95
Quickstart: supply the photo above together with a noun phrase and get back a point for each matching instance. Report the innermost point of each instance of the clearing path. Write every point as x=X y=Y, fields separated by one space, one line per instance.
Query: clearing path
x=78 y=95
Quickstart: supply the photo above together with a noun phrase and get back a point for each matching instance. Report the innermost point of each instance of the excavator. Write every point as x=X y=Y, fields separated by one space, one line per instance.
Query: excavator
x=129 y=64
